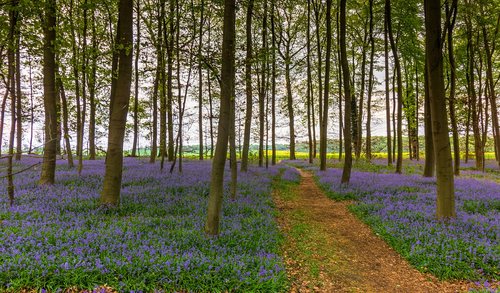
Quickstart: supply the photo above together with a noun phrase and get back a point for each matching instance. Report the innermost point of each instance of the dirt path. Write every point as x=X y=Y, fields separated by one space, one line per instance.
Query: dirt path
x=329 y=250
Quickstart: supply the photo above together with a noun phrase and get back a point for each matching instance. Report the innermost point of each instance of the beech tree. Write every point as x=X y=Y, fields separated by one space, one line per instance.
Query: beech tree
x=442 y=148
x=110 y=195
x=50 y=95
x=227 y=91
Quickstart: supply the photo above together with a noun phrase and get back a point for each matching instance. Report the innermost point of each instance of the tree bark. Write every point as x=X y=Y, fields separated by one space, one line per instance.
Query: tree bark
x=135 y=140
x=263 y=88
x=84 y=87
x=200 y=81
x=309 y=84
x=92 y=89
x=346 y=172
x=227 y=88
x=50 y=94
x=65 y=114
x=248 y=87
x=451 y=15
x=370 y=88
x=442 y=150
x=110 y=195
x=430 y=162
x=399 y=161
x=170 y=96
x=489 y=50
x=12 y=90
x=471 y=91
x=324 y=122
x=19 y=112
x=387 y=95
x=273 y=85
x=2 y=113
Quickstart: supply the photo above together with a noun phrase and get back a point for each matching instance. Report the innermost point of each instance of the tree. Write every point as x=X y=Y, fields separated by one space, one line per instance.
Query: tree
x=227 y=88
x=451 y=16
x=346 y=172
x=370 y=87
x=324 y=122
x=388 y=19
x=442 y=149
x=50 y=94
x=136 y=81
x=248 y=87
x=110 y=195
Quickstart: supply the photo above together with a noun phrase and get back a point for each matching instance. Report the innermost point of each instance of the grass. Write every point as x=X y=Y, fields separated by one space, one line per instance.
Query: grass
x=58 y=237
x=401 y=208
x=306 y=244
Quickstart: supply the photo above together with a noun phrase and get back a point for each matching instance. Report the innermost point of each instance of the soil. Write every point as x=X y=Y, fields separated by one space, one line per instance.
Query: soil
x=348 y=255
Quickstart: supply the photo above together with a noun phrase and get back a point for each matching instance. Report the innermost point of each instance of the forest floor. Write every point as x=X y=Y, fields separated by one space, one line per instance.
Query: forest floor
x=328 y=249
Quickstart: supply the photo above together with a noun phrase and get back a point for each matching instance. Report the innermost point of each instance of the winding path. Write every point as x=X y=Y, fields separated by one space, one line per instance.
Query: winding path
x=342 y=254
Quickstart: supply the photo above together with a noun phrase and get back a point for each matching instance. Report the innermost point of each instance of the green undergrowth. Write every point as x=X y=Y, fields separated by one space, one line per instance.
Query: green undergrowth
x=306 y=243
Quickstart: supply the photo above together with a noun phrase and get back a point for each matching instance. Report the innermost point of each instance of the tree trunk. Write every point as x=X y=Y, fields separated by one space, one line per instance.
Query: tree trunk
x=491 y=86
x=273 y=86
x=76 y=77
x=248 y=87
x=65 y=114
x=317 y=11
x=387 y=95
x=32 y=106
x=156 y=86
x=227 y=89
x=442 y=150
x=263 y=89
x=13 y=15
x=2 y=113
x=170 y=96
x=429 y=165
x=399 y=161
x=346 y=172
x=200 y=82
x=165 y=82
x=451 y=15
x=84 y=87
x=289 y=97
x=19 y=112
x=135 y=140
x=50 y=97
x=211 y=120
x=471 y=91
x=309 y=83
x=324 y=122
x=359 y=137
x=370 y=88
x=92 y=89
x=110 y=195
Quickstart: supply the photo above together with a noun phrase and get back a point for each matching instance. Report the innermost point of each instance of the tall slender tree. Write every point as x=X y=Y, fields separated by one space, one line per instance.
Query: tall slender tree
x=346 y=172
x=370 y=86
x=324 y=122
x=200 y=80
x=451 y=16
x=248 y=87
x=399 y=132
x=227 y=88
x=110 y=195
x=442 y=150
x=50 y=93
x=387 y=94
x=135 y=139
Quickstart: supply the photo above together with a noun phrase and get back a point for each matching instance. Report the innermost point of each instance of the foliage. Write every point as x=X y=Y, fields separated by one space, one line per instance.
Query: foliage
x=401 y=208
x=58 y=237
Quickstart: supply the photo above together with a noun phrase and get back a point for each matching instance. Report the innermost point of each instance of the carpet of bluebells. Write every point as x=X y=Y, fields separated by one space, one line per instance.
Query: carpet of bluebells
x=401 y=208
x=58 y=237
